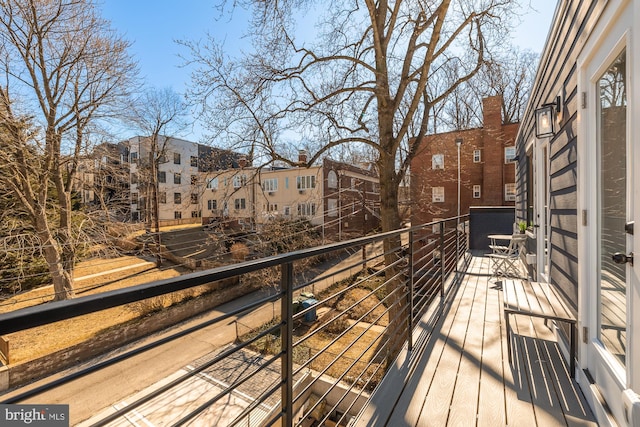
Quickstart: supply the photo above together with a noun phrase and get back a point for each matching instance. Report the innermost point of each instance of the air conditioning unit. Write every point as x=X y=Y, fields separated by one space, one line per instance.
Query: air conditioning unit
x=631 y=402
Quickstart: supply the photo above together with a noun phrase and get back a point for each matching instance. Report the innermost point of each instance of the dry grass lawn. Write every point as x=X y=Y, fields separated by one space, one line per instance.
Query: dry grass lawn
x=36 y=342
x=360 y=343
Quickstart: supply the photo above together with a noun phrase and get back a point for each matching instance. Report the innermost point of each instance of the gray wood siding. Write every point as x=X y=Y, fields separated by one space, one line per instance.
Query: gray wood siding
x=557 y=74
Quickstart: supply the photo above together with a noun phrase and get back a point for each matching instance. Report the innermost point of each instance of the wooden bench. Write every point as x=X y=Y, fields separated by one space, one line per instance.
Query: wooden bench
x=538 y=300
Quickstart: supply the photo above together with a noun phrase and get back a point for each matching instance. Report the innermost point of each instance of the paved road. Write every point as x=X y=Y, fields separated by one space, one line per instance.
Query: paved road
x=89 y=395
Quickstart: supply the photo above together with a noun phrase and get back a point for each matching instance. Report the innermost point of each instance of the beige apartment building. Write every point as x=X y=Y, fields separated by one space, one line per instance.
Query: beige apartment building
x=340 y=199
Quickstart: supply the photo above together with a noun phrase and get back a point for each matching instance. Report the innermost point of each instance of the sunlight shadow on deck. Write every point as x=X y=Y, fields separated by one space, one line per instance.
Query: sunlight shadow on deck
x=459 y=372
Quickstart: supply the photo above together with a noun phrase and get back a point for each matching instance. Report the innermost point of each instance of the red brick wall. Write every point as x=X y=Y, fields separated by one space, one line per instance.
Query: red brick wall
x=491 y=173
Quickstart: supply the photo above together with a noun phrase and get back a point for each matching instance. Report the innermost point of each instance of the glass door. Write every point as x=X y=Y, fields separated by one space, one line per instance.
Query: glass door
x=613 y=208
x=611 y=242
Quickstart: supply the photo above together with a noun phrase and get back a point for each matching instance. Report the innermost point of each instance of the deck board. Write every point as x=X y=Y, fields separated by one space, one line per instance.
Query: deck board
x=407 y=409
x=461 y=374
x=493 y=395
x=465 y=396
x=437 y=403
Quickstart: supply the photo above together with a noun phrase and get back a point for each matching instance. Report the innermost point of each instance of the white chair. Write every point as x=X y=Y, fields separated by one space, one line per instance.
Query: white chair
x=506 y=262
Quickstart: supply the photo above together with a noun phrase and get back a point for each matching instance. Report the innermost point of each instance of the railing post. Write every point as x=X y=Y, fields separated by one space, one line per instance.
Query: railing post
x=457 y=245
x=410 y=286
x=286 y=342
x=442 y=259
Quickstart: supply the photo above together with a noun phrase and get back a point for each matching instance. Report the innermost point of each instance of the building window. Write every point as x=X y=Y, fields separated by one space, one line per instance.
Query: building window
x=306 y=209
x=134 y=198
x=134 y=178
x=212 y=183
x=332 y=207
x=477 y=156
x=194 y=179
x=134 y=156
x=162 y=158
x=212 y=205
x=272 y=207
x=177 y=178
x=194 y=161
x=176 y=158
x=437 y=161
x=162 y=197
x=477 y=192
x=437 y=226
x=240 y=204
x=304 y=182
x=438 y=194
x=286 y=182
x=509 y=154
x=194 y=198
x=332 y=179
x=239 y=181
x=510 y=192
x=177 y=198
x=195 y=214
x=270 y=184
x=162 y=177
x=177 y=215
x=287 y=211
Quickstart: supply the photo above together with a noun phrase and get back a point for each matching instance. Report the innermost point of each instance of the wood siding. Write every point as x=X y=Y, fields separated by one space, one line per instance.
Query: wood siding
x=557 y=75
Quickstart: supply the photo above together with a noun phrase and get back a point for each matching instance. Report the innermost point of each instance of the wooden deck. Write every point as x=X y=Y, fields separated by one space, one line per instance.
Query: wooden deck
x=459 y=373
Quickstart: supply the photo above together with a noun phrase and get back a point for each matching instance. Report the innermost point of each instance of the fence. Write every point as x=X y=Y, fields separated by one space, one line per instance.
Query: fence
x=286 y=368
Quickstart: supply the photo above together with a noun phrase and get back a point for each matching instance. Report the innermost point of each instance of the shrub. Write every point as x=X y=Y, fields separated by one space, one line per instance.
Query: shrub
x=239 y=251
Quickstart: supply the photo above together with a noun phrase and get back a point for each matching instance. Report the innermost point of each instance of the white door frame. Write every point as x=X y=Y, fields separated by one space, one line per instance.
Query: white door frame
x=612 y=34
x=542 y=199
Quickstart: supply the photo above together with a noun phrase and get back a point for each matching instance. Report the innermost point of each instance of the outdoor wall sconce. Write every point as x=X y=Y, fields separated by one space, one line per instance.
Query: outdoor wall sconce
x=545 y=118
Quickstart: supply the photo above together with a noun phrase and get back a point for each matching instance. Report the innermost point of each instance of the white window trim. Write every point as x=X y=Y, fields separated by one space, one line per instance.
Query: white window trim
x=437 y=196
x=437 y=164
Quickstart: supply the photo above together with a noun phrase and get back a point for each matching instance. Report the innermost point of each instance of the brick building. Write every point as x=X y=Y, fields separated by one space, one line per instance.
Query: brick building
x=487 y=168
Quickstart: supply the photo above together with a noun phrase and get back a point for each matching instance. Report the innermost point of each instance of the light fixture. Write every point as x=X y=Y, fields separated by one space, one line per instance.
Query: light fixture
x=545 y=118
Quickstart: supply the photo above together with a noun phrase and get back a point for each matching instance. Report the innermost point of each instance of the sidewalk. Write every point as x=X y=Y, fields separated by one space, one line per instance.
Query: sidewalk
x=217 y=336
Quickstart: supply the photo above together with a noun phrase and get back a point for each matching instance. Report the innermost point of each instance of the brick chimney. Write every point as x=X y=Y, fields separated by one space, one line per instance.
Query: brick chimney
x=242 y=162
x=493 y=142
x=302 y=156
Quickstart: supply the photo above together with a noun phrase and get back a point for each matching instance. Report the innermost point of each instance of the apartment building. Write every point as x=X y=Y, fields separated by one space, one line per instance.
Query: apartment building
x=201 y=184
x=479 y=162
x=102 y=181
x=180 y=165
x=340 y=199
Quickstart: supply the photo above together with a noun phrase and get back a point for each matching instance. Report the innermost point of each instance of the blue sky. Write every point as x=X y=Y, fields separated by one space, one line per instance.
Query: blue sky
x=153 y=26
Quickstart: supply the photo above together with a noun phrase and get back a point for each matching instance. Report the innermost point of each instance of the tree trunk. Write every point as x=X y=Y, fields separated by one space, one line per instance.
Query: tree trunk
x=395 y=283
x=60 y=276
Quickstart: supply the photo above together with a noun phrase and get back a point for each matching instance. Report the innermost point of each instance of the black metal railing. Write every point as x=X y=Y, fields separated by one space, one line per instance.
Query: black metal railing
x=318 y=355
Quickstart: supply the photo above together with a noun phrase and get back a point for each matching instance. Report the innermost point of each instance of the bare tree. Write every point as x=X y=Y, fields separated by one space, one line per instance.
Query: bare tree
x=69 y=69
x=363 y=79
x=511 y=75
x=160 y=114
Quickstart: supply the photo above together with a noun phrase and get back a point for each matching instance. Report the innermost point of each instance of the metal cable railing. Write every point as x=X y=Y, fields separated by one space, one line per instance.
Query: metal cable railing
x=316 y=357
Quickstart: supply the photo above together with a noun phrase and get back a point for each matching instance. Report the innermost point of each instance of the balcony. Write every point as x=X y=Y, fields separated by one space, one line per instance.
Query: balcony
x=314 y=348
